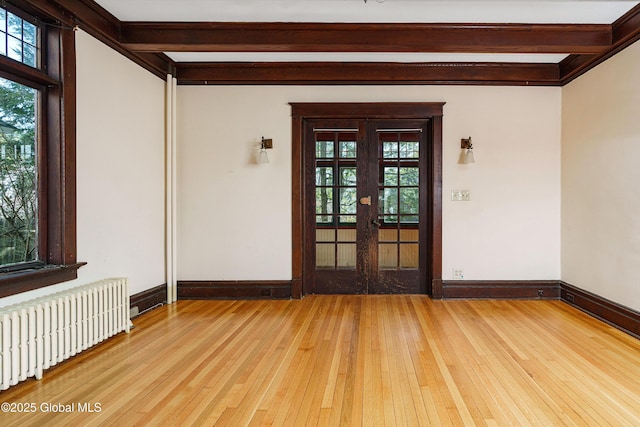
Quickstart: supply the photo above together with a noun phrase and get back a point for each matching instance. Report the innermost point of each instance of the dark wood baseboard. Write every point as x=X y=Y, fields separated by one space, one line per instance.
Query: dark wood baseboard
x=262 y=289
x=436 y=288
x=508 y=289
x=296 y=289
x=617 y=315
x=149 y=298
x=614 y=314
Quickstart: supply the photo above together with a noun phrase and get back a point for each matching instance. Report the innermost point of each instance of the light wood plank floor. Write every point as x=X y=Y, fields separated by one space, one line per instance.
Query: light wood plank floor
x=349 y=360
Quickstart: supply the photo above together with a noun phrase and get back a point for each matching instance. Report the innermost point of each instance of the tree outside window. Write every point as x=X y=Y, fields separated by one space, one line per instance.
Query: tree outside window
x=37 y=148
x=18 y=177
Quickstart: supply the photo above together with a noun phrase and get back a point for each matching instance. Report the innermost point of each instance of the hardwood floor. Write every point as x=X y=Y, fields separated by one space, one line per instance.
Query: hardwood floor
x=347 y=360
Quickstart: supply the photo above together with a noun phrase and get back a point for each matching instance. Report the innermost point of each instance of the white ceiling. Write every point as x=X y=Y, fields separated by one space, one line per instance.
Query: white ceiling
x=357 y=11
x=502 y=11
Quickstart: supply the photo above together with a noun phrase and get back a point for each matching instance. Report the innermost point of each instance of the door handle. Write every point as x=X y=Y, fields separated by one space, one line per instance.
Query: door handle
x=375 y=222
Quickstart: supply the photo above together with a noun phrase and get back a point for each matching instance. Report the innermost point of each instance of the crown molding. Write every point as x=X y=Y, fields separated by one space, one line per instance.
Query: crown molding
x=359 y=37
x=625 y=32
x=337 y=73
x=144 y=42
x=99 y=23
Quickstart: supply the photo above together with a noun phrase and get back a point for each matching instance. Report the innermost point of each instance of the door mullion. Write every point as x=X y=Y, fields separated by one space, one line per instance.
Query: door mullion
x=363 y=210
x=371 y=187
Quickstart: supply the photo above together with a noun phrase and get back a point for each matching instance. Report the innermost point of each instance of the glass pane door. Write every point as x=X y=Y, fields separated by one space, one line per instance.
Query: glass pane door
x=336 y=171
x=398 y=200
x=399 y=175
x=364 y=198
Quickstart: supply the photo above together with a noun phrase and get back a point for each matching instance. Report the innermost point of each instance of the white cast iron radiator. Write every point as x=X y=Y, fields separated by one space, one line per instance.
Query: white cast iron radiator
x=37 y=334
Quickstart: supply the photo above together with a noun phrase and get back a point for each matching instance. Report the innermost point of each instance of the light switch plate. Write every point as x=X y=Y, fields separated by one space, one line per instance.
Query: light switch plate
x=460 y=195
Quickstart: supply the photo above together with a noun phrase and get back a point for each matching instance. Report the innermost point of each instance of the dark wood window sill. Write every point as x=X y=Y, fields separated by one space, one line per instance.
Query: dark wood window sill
x=56 y=147
x=16 y=282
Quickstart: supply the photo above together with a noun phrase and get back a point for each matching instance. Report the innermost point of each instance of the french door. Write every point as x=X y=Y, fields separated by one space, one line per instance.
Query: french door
x=366 y=205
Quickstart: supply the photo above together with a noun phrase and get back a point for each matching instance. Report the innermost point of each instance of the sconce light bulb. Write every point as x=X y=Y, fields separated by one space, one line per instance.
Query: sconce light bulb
x=263 y=157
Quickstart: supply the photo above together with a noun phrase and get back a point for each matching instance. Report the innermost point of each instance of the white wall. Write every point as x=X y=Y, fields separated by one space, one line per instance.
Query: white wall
x=120 y=171
x=234 y=216
x=120 y=168
x=600 y=176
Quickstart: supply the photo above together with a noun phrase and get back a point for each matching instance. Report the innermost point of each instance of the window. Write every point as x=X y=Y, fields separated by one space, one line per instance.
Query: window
x=18 y=174
x=37 y=151
x=18 y=38
x=336 y=178
x=399 y=190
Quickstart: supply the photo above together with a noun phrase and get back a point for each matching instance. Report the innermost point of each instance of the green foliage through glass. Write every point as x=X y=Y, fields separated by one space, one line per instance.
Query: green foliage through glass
x=18 y=173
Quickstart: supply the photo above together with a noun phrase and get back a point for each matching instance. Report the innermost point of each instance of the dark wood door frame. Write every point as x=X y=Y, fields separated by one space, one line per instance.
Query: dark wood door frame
x=382 y=110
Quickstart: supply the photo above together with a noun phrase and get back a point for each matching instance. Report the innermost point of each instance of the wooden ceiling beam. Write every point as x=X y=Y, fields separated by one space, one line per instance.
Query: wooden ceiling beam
x=357 y=37
x=625 y=31
x=338 y=73
x=95 y=20
x=143 y=43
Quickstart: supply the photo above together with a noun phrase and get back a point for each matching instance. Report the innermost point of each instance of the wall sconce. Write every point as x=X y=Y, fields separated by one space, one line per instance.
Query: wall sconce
x=466 y=155
x=264 y=145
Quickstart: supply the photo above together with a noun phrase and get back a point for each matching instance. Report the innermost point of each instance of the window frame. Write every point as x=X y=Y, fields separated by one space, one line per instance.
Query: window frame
x=56 y=81
x=336 y=162
x=396 y=162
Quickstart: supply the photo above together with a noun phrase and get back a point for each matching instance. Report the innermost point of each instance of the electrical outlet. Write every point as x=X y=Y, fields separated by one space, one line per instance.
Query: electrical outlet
x=458 y=273
x=460 y=195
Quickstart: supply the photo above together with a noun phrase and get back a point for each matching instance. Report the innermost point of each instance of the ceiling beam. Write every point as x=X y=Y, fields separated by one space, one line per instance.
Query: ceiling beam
x=357 y=37
x=104 y=25
x=625 y=31
x=95 y=20
x=339 y=73
x=143 y=43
